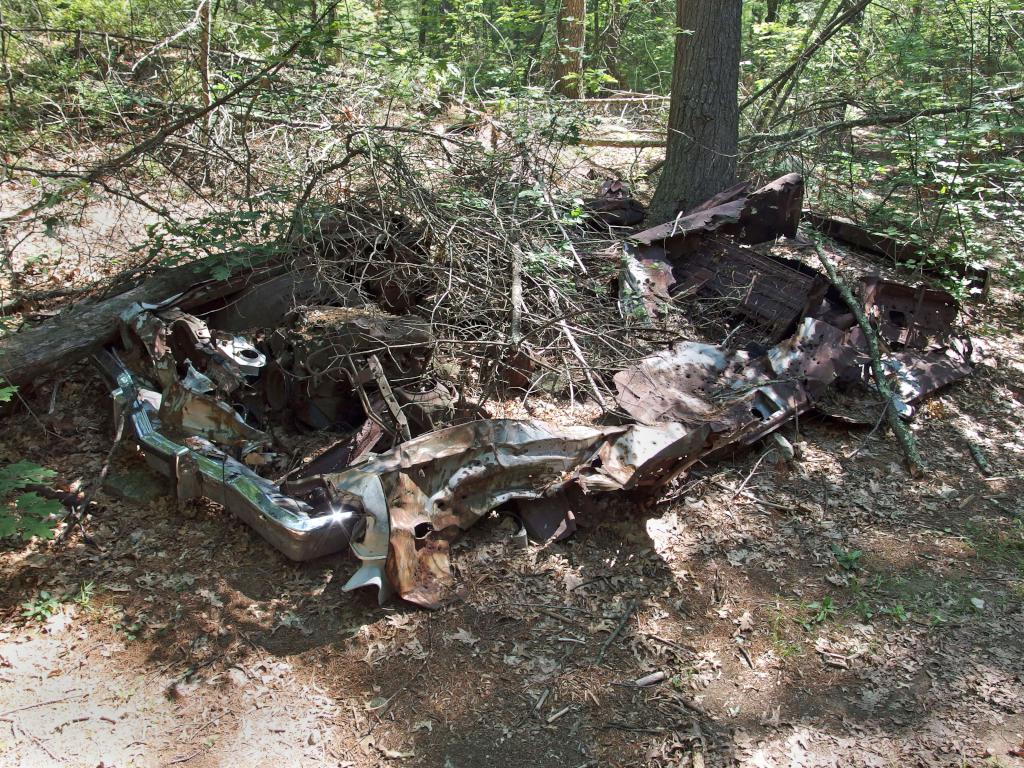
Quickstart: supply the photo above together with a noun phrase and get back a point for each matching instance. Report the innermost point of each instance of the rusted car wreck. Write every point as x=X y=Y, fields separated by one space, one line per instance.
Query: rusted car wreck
x=202 y=392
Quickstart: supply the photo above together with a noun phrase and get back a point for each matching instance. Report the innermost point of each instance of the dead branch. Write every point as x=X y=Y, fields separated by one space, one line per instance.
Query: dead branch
x=805 y=55
x=83 y=328
x=623 y=620
x=915 y=465
x=100 y=171
x=76 y=514
x=625 y=143
x=871 y=121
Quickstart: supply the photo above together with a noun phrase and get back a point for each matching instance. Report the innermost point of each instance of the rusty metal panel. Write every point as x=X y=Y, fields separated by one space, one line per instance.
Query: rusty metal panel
x=765 y=290
x=917 y=318
x=440 y=484
x=735 y=396
x=765 y=214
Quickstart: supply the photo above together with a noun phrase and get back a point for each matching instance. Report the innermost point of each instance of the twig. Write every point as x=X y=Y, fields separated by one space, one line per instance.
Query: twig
x=37 y=742
x=558 y=714
x=168 y=40
x=618 y=630
x=540 y=701
x=748 y=495
x=19 y=302
x=745 y=655
x=872 y=121
x=804 y=56
x=752 y=471
x=74 y=517
x=184 y=758
x=38 y=704
x=576 y=351
x=915 y=465
x=979 y=458
x=878 y=423
x=562 y=618
x=620 y=726
x=80 y=180
x=516 y=297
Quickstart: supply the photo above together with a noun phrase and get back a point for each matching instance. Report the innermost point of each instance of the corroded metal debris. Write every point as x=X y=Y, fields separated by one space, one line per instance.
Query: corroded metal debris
x=424 y=492
x=211 y=401
x=819 y=351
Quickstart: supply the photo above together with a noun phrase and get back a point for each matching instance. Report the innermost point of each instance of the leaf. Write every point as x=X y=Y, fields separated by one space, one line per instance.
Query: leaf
x=33 y=517
x=8 y=525
x=463 y=636
x=21 y=473
x=745 y=623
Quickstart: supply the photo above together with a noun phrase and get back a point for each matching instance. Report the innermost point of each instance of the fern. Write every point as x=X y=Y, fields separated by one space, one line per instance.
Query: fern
x=24 y=513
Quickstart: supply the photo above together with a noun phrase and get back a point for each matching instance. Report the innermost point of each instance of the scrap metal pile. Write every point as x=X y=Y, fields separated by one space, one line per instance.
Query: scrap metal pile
x=211 y=396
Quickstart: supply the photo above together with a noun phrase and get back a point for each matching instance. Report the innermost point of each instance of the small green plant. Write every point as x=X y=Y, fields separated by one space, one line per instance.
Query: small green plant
x=41 y=608
x=896 y=611
x=848 y=559
x=130 y=627
x=681 y=682
x=864 y=609
x=783 y=646
x=818 y=612
x=25 y=513
x=83 y=598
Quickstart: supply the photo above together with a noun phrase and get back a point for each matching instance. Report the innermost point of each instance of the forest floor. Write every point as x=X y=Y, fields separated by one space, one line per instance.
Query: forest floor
x=833 y=612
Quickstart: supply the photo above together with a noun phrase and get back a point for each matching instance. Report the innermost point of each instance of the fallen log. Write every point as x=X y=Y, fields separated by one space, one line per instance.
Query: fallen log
x=902 y=253
x=86 y=327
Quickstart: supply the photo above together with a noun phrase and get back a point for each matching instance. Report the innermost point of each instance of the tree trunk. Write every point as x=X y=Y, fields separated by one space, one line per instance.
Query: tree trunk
x=55 y=344
x=703 y=122
x=424 y=20
x=772 y=13
x=5 y=68
x=205 y=22
x=609 y=44
x=204 y=52
x=570 y=39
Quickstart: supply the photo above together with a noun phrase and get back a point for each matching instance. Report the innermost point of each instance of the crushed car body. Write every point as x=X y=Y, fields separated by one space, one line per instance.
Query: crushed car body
x=212 y=395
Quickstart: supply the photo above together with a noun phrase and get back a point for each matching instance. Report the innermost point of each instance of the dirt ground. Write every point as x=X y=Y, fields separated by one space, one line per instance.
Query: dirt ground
x=828 y=612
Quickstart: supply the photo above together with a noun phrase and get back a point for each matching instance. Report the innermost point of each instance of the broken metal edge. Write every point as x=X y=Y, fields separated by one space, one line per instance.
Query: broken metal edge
x=283 y=521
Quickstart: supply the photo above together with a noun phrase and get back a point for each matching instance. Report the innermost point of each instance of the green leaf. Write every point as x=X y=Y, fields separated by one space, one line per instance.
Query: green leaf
x=36 y=515
x=8 y=525
x=21 y=473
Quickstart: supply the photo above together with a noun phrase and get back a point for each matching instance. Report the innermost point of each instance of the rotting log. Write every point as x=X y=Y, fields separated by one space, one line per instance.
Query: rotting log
x=902 y=253
x=915 y=464
x=83 y=328
x=622 y=142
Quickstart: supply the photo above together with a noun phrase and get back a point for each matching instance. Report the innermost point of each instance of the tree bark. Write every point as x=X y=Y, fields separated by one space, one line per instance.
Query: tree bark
x=703 y=123
x=84 y=328
x=570 y=38
x=609 y=44
x=206 y=21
